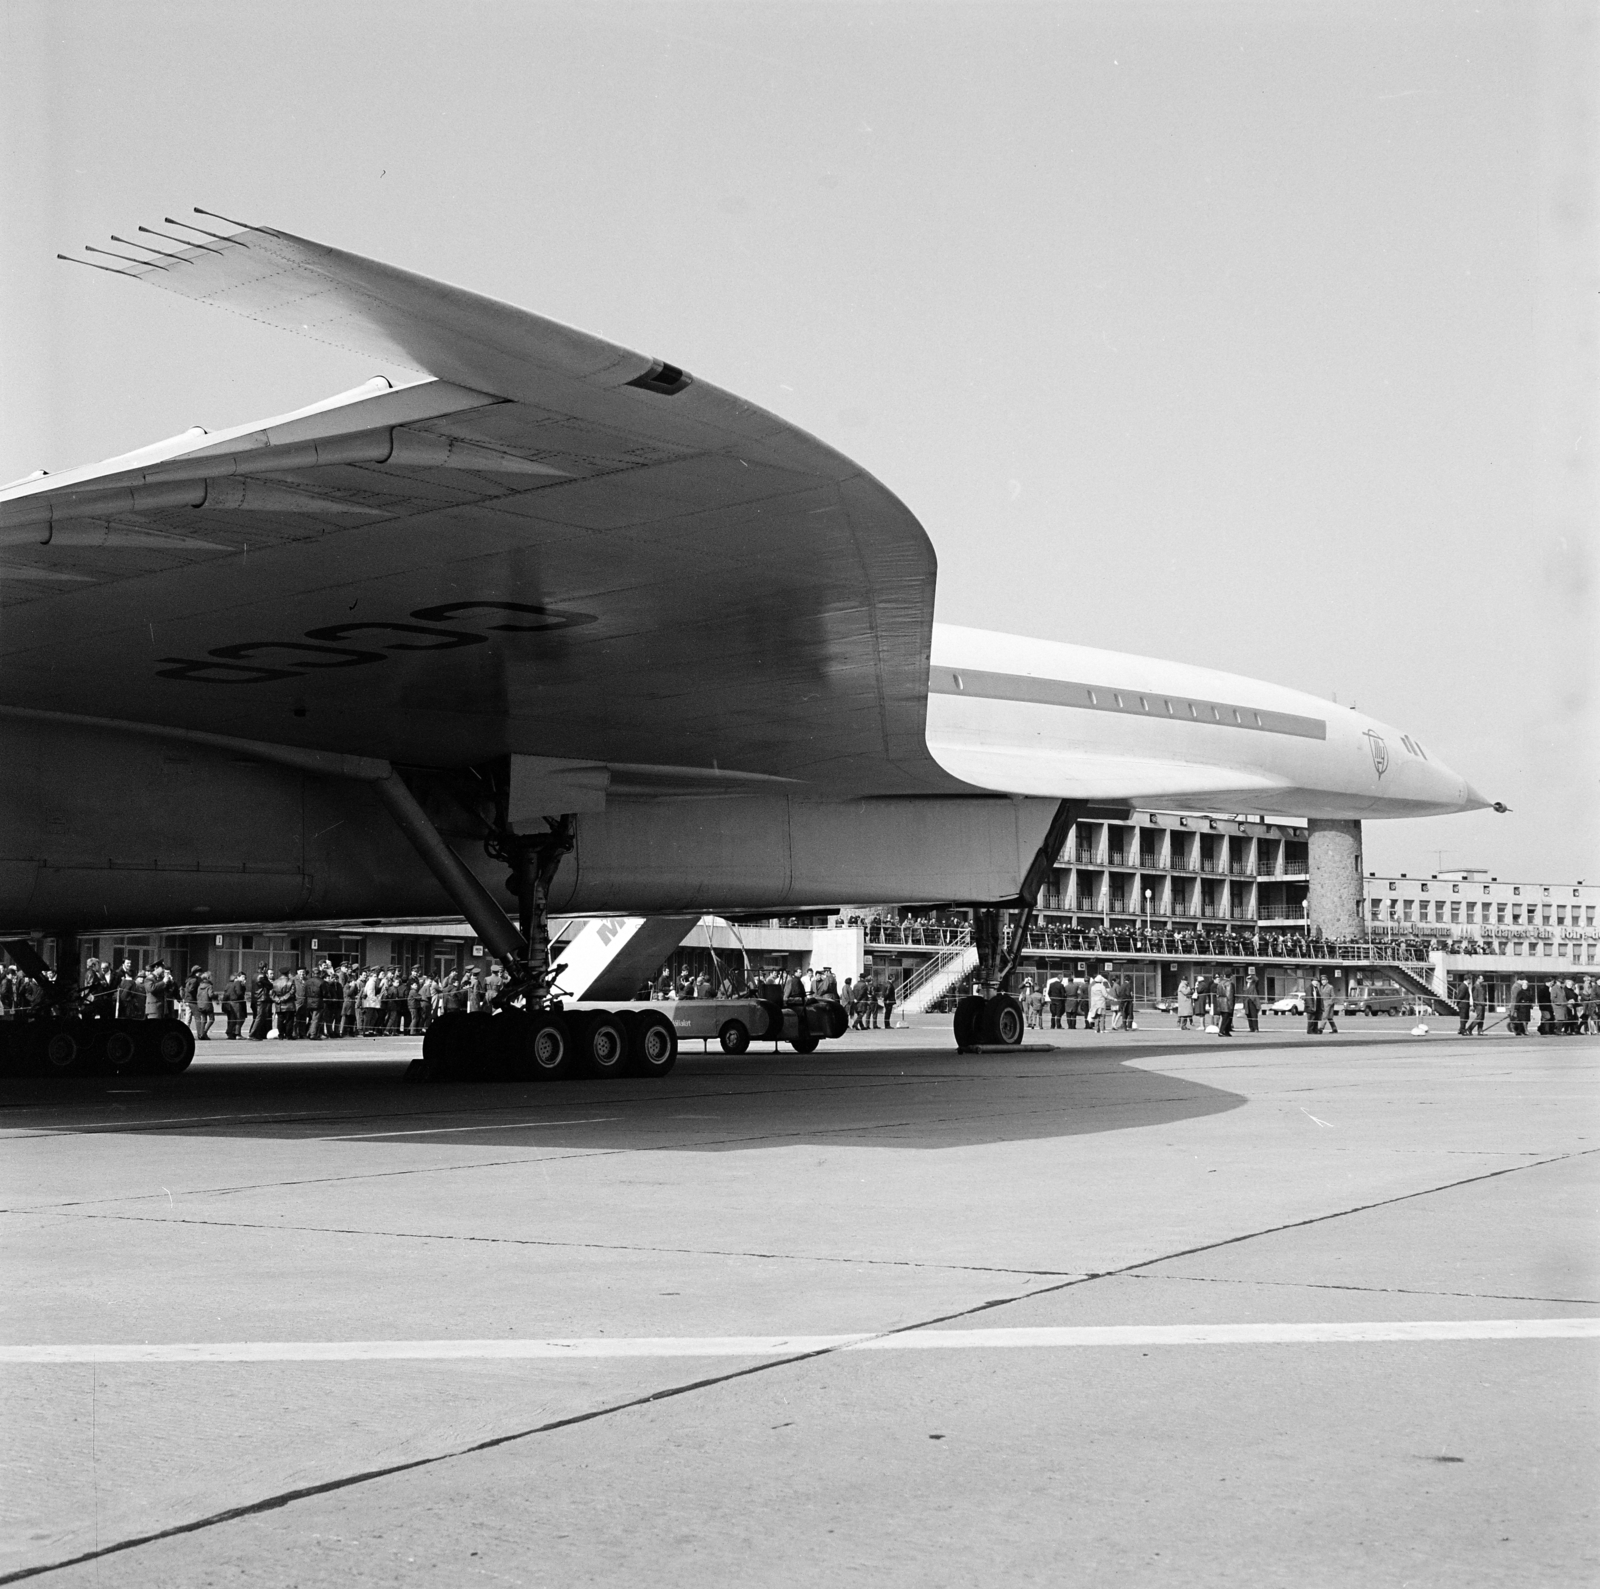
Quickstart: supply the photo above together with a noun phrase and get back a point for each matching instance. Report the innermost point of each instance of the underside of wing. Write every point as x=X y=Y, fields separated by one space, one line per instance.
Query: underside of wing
x=546 y=545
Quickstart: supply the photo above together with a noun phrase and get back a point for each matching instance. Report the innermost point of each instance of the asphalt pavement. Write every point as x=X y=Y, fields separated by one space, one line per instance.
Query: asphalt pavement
x=1137 y=1308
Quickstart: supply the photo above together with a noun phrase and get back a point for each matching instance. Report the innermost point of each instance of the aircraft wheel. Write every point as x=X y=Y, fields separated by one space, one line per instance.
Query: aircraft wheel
x=969 y=1013
x=734 y=1037
x=121 y=1050
x=655 y=1045
x=805 y=1044
x=168 y=1046
x=547 y=1051
x=1002 y=1022
x=444 y=1047
x=61 y=1051
x=602 y=1042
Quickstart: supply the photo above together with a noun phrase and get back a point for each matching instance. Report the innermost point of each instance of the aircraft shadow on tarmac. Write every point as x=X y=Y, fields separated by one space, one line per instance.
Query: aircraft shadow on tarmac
x=905 y=1099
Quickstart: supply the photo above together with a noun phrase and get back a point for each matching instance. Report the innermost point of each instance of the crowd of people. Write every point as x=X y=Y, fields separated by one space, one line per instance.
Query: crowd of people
x=1221 y=943
x=328 y=1000
x=307 y=1003
x=1566 y=1006
x=1106 y=1003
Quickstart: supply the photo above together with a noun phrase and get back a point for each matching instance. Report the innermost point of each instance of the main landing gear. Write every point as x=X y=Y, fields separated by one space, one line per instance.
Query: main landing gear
x=65 y=1036
x=993 y=1022
x=989 y=1017
x=527 y=1035
x=51 y=1045
x=548 y=1044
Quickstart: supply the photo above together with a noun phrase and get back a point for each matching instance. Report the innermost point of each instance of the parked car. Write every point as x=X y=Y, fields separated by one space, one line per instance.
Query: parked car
x=1381 y=1004
x=1293 y=1005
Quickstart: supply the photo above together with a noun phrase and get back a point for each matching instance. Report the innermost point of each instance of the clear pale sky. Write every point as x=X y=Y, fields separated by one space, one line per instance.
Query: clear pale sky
x=1260 y=336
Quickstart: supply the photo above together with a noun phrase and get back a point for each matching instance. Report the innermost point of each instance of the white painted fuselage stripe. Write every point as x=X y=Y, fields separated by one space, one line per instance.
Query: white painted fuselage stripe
x=1325 y=1333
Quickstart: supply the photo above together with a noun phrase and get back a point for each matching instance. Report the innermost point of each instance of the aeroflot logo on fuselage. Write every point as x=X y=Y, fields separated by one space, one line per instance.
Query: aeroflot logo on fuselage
x=1380 y=751
x=269 y=661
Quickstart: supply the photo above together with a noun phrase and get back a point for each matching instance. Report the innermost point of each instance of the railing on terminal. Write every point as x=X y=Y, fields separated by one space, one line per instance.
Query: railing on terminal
x=1221 y=944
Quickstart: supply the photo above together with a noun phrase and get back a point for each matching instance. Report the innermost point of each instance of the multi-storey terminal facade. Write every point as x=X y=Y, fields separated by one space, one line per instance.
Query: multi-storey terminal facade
x=1470 y=924
x=1170 y=872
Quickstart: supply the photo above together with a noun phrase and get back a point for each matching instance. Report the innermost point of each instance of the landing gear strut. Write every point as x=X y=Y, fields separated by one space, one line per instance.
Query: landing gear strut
x=989 y=1017
x=526 y=1035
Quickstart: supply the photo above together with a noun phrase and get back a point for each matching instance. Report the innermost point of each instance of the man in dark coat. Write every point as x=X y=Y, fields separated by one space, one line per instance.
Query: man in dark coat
x=1521 y=1006
x=233 y=1004
x=1125 y=1003
x=1222 y=998
x=1252 y=1001
x=1547 y=1010
x=1480 y=1004
x=1313 y=1003
x=1056 y=992
x=313 y=1006
x=1463 y=1006
x=1077 y=993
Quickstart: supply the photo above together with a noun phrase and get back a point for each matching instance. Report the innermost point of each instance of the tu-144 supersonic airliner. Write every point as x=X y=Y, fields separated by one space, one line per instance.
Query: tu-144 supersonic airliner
x=553 y=626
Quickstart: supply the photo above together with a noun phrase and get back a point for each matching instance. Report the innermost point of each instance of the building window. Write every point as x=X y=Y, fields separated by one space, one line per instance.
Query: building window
x=1499 y=913
x=1561 y=915
x=1455 y=910
x=1516 y=915
x=1472 y=909
x=1377 y=908
x=1405 y=906
x=1548 y=948
x=1516 y=947
x=1544 y=916
x=1588 y=915
x=1438 y=910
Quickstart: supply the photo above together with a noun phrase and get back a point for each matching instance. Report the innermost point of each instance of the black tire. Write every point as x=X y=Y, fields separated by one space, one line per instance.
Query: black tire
x=60 y=1050
x=774 y=1027
x=1003 y=1023
x=805 y=1044
x=838 y=1018
x=166 y=1047
x=655 y=1045
x=968 y=1019
x=445 y=1045
x=734 y=1037
x=548 y=1052
x=604 y=1044
x=121 y=1048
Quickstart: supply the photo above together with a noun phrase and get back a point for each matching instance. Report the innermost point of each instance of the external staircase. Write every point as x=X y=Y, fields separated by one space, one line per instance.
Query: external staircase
x=929 y=982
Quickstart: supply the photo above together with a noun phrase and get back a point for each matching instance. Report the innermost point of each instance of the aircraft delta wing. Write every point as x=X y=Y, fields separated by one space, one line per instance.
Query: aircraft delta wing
x=547 y=545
